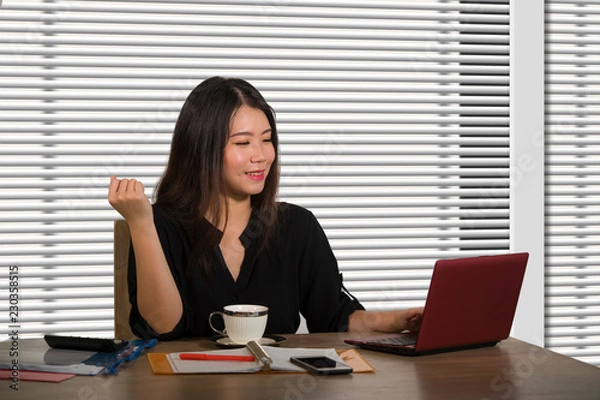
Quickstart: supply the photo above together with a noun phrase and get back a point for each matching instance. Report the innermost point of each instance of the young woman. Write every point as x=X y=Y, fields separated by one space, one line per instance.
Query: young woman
x=216 y=235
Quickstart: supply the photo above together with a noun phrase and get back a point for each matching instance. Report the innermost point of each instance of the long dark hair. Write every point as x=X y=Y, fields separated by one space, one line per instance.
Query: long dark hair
x=192 y=185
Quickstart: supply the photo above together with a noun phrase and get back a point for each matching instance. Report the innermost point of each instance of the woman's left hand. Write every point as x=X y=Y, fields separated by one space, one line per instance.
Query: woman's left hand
x=366 y=322
x=412 y=319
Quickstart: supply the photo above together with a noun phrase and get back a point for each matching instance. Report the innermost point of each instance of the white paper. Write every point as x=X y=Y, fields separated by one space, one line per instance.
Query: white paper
x=50 y=360
x=280 y=357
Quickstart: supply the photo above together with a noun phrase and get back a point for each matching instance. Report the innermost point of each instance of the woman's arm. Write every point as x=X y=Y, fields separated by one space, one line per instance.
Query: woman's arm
x=158 y=298
x=367 y=322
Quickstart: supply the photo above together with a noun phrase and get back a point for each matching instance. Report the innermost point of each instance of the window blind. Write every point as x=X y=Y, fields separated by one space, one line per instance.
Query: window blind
x=393 y=119
x=572 y=184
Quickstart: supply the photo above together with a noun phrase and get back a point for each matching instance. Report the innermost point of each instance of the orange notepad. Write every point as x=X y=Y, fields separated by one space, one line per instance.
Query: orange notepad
x=354 y=359
x=160 y=364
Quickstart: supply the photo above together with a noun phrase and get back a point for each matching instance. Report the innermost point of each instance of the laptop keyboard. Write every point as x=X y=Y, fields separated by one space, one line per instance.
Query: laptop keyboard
x=404 y=340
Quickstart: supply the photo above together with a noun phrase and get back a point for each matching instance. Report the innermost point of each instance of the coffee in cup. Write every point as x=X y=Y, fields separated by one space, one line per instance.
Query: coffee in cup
x=243 y=322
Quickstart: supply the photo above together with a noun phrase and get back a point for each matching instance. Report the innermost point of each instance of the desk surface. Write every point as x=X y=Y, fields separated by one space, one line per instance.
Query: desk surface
x=510 y=370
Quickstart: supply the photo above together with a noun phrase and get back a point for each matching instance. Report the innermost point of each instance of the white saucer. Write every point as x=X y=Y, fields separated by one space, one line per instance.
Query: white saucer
x=226 y=341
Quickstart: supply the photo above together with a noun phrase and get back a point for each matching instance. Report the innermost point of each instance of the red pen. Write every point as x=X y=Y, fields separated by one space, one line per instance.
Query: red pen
x=214 y=357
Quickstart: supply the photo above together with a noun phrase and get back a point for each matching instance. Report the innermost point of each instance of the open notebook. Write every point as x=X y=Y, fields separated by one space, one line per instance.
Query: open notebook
x=170 y=363
x=471 y=303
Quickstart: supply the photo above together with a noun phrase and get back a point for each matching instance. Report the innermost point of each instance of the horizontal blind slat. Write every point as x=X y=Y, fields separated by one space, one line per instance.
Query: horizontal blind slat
x=142 y=57
x=332 y=86
x=307 y=4
x=272 y=38
x=199 y=73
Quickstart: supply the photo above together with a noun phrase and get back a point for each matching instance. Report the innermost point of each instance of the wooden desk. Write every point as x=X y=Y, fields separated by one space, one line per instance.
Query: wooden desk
x=510 y=370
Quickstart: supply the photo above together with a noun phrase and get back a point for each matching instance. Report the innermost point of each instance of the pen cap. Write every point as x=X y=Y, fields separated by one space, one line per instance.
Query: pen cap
x=259 y=353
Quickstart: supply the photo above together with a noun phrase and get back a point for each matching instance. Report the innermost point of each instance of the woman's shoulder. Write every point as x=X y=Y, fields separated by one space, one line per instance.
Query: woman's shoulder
x=296 y=217
x=290 y=210
x=163 y=219
x=161 y=214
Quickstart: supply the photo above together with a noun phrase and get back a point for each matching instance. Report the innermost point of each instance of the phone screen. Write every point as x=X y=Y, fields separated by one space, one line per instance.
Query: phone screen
x=318 y=362
x=322 y=365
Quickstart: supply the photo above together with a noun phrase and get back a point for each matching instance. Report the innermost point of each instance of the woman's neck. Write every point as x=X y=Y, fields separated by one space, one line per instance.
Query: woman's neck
x=238 y=214
x=236 y=217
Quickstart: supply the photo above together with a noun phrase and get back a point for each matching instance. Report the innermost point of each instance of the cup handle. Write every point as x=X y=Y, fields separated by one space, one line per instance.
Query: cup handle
x=223 y=332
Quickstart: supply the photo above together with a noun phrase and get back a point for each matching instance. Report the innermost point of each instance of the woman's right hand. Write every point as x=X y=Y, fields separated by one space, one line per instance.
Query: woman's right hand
x=158 y=298
x=127 y=196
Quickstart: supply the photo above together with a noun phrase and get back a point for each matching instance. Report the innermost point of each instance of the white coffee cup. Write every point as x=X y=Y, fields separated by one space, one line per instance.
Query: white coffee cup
x=243 y=322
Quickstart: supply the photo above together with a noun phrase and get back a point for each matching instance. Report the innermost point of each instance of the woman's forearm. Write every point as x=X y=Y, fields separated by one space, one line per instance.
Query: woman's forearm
x=365 y=322
x=158 y=299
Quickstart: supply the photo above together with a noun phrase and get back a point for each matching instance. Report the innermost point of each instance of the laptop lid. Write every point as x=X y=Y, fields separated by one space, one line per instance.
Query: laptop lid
x=471 y=301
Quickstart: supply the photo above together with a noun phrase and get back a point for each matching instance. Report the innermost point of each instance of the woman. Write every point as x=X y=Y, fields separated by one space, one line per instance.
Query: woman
x=216 y=234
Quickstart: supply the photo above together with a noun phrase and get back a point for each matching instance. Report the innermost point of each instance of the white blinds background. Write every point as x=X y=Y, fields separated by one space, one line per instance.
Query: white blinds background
x=393 y=118
x=572 y=179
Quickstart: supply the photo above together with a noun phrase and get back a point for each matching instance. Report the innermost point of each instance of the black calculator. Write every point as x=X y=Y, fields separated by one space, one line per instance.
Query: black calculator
x=102 y=345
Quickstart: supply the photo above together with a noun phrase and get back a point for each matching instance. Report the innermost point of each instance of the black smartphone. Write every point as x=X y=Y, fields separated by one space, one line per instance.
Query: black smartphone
x=322 y=365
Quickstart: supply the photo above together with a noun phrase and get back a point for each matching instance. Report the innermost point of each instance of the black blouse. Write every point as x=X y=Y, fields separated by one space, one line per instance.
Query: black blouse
x=299 y=274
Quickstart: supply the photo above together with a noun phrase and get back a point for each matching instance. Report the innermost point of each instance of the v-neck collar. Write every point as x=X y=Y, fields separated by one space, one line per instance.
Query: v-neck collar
x=248 y=239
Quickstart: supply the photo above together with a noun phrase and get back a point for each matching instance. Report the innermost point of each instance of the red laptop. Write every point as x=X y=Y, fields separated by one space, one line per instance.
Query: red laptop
x=471 y=303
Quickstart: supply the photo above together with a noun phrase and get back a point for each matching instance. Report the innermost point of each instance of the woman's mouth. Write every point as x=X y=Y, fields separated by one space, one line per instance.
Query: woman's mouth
x=256 y=175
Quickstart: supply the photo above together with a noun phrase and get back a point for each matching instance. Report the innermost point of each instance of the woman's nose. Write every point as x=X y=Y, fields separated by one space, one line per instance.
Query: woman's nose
x=258 y=153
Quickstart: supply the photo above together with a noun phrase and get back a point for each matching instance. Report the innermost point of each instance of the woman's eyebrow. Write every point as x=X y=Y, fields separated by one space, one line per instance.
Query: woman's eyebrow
x=246 y=133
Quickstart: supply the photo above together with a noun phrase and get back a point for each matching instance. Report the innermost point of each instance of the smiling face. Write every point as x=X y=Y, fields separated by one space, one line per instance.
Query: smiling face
x=248 y=154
